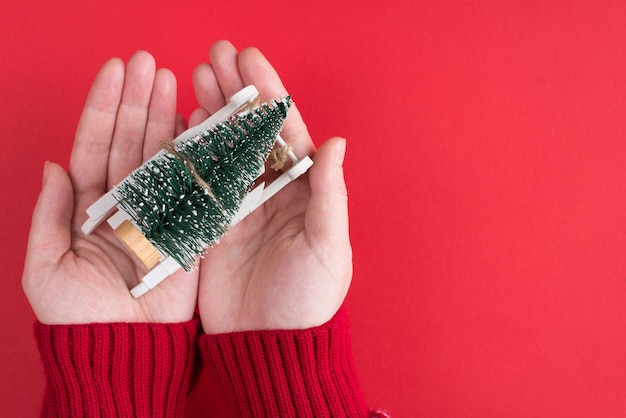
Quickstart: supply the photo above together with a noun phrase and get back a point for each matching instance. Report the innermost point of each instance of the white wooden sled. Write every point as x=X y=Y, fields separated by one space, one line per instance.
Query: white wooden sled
x=162 y=265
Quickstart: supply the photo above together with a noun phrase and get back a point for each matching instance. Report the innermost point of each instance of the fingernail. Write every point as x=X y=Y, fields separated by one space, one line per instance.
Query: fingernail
x=340 y=151
x=45 y=173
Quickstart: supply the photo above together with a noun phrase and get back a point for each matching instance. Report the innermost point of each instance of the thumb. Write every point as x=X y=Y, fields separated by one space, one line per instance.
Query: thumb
x=327 y=212
x=50 y=231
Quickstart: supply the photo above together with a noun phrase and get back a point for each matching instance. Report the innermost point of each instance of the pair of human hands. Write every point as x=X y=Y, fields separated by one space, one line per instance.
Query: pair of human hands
x=288 y=265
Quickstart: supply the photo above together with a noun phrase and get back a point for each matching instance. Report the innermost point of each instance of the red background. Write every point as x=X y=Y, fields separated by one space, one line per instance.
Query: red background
x=486 y=168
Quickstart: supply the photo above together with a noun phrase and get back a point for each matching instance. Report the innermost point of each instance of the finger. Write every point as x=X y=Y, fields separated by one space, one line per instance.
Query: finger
x=181 y=124
x=208 y=91
x=198 y=116
x=50 y=231
x=161 y=112
x=224 y=60
x=90 y=154
x=256 y=69
x=128 y=139
x=327 y=212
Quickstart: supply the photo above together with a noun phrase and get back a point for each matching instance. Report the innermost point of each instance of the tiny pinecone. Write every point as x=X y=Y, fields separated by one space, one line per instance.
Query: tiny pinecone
x=180 y=216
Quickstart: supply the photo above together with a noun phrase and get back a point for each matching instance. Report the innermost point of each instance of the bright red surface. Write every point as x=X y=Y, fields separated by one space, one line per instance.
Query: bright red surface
x=486 y=168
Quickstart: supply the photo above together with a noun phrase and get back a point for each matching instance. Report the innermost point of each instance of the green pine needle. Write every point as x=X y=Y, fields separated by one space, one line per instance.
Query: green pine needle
x=179 y=216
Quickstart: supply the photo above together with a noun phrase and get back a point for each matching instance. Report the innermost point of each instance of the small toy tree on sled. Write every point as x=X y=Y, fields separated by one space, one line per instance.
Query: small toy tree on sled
x=182 y=201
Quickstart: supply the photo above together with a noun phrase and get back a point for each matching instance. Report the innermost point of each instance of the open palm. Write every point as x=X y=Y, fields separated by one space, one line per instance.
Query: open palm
x=73 y=278
x=288 y=264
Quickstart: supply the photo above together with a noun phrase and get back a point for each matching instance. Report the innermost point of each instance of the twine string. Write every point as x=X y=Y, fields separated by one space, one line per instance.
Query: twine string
x=279 y=156
x=170 y=147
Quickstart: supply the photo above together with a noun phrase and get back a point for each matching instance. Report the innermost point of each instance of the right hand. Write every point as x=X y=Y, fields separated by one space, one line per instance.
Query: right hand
x=287 y=265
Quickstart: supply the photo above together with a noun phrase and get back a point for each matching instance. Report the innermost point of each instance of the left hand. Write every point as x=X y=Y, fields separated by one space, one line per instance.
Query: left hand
x=70 y=278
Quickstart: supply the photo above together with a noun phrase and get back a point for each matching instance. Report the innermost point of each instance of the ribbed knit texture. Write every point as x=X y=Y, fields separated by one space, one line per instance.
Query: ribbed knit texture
x=120 y=369
x=300 y=373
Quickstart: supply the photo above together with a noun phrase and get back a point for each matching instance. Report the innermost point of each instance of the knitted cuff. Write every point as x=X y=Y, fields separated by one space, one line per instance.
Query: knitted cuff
x=304 y=373
x=120 y=369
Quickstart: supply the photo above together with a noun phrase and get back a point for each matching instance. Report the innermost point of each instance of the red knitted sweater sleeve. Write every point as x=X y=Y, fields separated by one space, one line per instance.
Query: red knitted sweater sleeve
x=120 y=369
x=303 y=373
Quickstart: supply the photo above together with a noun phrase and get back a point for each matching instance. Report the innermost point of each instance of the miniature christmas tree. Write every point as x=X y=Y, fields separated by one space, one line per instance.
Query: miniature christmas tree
x=183 y=201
